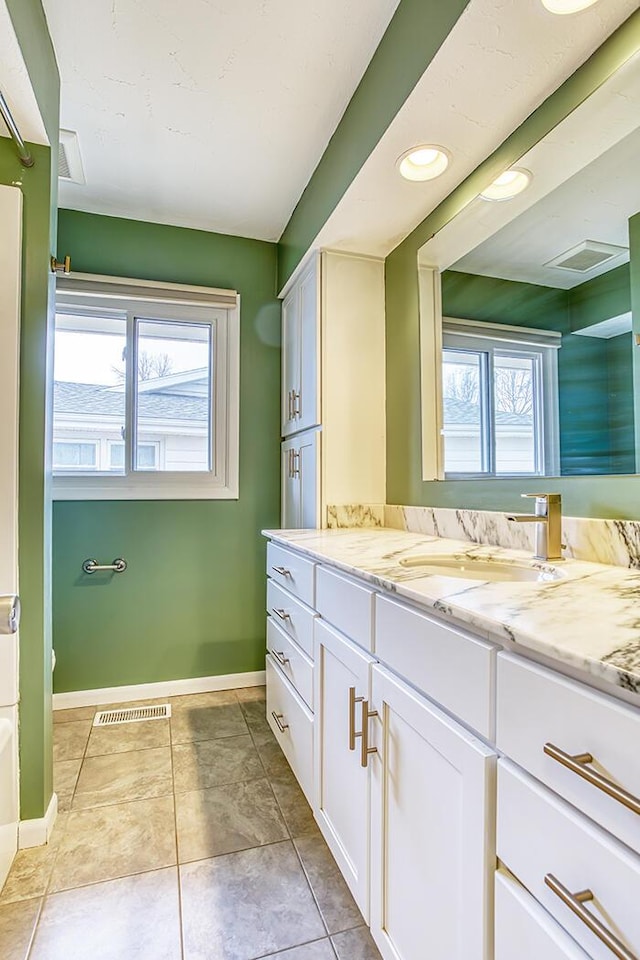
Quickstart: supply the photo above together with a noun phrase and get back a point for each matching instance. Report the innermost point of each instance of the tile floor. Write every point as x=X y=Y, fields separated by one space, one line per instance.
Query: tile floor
x=181 y=839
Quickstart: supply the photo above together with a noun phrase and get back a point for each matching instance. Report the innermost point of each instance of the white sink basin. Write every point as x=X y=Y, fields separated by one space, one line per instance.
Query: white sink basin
x=467 y=568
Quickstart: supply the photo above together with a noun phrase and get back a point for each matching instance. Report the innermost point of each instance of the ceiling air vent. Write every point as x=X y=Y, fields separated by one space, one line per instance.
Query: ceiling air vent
x=69 y=160
x=587 y=255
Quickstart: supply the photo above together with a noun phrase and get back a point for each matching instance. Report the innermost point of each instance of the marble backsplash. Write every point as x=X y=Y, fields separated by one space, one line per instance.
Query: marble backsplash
x=615 y=542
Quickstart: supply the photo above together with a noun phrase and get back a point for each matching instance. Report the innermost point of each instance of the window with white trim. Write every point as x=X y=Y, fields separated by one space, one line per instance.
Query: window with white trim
x=146 y=382
x=499 y=400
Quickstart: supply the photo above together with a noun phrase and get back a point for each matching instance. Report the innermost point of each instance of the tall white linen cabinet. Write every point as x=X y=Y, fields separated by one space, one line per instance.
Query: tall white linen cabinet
x=333 y=387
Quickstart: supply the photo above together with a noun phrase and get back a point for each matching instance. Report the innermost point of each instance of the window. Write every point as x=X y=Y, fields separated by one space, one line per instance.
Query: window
x=145 y=391
x=500 y=404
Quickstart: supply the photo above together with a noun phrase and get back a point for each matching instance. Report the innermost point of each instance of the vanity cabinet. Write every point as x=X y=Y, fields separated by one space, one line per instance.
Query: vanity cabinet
x=333 y=407
x=432 y=811
x=341 y=796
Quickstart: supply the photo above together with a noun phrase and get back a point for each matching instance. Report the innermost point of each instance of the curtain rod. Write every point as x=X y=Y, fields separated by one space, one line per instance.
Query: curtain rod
x=25 y=157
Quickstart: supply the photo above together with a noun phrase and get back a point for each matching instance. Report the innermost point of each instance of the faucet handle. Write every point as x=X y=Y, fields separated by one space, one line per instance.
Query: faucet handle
x=549 y=497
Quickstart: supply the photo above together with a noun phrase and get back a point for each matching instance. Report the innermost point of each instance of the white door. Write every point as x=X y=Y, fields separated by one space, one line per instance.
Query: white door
x=290 y=360
x=341 y=802
x=10 y=261
x=300 y=477
x=290 y=486
x=432 y=840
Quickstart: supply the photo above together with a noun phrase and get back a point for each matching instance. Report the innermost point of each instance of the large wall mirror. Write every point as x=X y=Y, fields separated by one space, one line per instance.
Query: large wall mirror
x=530 y=308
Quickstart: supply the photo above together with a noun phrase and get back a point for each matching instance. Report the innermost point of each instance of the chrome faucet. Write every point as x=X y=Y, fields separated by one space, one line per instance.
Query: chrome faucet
x=548 y=516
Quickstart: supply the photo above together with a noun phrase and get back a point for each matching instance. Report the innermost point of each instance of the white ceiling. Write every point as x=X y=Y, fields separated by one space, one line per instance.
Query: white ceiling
x=585 y=186
x=502 y=59
x=207 y=113
x=16 y=86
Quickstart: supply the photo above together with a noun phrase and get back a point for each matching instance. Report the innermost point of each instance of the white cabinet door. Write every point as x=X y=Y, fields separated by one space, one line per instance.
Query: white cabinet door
x=290 y=359
x=307 y=402
x=301 y=480
x=341 y=796
x=432 y=835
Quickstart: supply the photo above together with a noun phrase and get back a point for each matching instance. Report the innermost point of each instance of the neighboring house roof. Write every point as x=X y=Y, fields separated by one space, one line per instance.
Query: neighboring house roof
x=461 y=412
x=92 y=400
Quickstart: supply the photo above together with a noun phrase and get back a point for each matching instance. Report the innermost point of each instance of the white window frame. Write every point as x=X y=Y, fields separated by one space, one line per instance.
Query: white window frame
x=145 y=299
x=491 y=338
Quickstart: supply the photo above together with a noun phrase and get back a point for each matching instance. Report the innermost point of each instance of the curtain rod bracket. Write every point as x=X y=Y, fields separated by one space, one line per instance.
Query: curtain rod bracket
x=26 y=158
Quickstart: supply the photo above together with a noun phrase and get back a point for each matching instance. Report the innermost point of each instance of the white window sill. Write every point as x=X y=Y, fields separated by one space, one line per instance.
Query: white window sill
x=143 y=488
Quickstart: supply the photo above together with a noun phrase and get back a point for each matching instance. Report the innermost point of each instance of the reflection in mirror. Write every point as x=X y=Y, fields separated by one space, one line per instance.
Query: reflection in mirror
x=540 y=299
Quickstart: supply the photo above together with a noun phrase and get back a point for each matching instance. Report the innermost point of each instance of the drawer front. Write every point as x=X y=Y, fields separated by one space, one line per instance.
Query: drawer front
x=347 y=605
x=292 y=724
x=291 y=615
x=542 y=837
x=291 y=571
x=524 y=930
x=453 y=668
x=538 y=707
x=295 y=665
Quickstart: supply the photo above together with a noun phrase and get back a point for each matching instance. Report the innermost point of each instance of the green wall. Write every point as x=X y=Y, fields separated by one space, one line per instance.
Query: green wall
x=634 y=247
x=192 y=601
x=412 y=39
x=583 y=496
x=39 y=189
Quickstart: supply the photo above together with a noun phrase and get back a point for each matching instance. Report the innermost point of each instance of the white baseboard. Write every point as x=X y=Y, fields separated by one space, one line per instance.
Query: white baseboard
x=35 y=833
x=151 y=691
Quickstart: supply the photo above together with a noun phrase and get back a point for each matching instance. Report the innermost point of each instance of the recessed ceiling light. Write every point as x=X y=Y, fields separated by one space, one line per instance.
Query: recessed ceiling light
x=423 y=163
x=567 y=6
x=509 y=184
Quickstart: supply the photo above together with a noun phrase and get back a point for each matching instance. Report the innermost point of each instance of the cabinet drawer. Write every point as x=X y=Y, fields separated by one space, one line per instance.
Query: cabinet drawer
x=540 y=836
x=291 y=615
x=538 y=707
x=295 y=665
x=345 y=604
x=292 y=725
x=449 y=666
x=526 y=931
x=292 y=572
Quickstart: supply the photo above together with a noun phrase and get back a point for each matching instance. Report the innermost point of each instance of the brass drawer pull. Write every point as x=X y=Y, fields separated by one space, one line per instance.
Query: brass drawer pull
x=282 y=571
x=278 y=717
x=578 y=763
x=353 y=736
x=576 y=903
x=365 y=748
x=282 y=614
x=280 y=657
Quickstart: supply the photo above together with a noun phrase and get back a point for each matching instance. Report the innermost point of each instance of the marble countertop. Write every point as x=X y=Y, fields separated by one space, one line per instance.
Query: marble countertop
x=588 y=620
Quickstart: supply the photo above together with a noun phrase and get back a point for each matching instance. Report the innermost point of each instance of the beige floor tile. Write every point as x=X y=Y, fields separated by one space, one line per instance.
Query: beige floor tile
x=273 y=759
x=207 y=722
x=248 y=904
x=214 y=698
x=232 y=817
x=70 y=739
x=297 y=813
x=135 y=918
x=17 y=923
x=123 y=737
x=74 y=713
x=65 y=777
x=356 y=945
x=29 y=874
x=337 y=906
x=209 y=763
x=255 y=711
x=137 y=775
x=262 y=733
x=318 y=950
x=251 y=693
x=109 y=842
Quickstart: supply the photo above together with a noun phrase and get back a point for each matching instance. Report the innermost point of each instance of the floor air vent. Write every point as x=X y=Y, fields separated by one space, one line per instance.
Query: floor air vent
x=107 y=718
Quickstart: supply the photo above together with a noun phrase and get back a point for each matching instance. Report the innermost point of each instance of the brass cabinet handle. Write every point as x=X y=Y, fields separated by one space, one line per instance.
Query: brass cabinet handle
x=281 y=613
x=365 y=748
x=280 y=657
x=578 y=763
x=352 y=717
x=576 y=903
x=278 y=717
